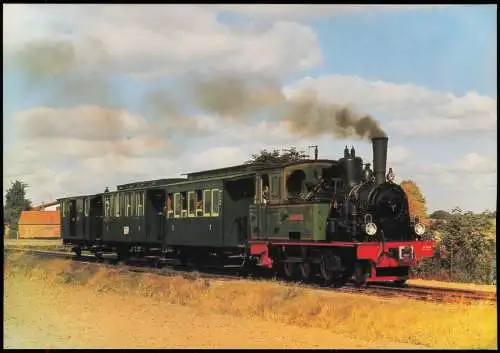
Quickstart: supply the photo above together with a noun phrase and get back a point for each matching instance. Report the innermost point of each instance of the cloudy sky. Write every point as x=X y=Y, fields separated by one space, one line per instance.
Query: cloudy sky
x=96 y=95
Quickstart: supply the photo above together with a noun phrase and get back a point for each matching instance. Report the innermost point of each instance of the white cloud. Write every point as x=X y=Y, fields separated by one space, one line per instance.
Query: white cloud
x=157 y=39
x=82 y=149
x=217 y=157
x=398 y=155
x=406 y=109
x=84 y=122
x=468 y=170
x=305 y=12
x=91 y=141
x=475 y=164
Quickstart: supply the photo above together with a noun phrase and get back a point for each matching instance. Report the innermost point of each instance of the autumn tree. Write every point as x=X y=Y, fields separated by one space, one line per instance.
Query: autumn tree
x=416 y=200
x=15 y=203
x=265 y=156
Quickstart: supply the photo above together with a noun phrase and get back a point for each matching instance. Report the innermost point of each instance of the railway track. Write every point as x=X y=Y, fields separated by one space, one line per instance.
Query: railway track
x=431 y=294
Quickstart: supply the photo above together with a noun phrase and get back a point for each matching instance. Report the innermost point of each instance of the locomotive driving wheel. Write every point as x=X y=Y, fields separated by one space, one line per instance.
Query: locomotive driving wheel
x=330 y=268
x=360 y=275
x=289 y=270
x=306 y=271
x=324 y=269
x=400 y=283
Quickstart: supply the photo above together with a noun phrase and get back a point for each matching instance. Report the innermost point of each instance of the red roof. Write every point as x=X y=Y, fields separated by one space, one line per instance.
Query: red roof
x=39 y=217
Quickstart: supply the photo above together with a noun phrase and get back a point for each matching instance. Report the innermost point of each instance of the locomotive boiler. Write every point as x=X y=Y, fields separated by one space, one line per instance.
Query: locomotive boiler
x=372 y=205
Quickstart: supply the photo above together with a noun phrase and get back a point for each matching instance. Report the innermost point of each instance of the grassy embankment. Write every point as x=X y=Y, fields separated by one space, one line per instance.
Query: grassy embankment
x=356 y=316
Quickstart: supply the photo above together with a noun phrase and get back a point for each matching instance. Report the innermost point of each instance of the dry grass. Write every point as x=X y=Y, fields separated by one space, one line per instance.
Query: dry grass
x=441 y=284
x=356 y=316
x=53 y=244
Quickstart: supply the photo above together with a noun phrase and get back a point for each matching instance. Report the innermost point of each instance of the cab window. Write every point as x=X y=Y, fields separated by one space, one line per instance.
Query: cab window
x=275 y=187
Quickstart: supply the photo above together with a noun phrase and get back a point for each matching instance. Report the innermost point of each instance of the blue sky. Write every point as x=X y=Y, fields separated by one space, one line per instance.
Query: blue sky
x=427 y=74
x=446 y=49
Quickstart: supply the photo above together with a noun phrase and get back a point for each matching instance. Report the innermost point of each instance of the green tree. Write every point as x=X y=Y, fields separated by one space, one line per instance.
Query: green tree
x=265 y=156
x=466 y=249
x=440 y=214
x=15 y=202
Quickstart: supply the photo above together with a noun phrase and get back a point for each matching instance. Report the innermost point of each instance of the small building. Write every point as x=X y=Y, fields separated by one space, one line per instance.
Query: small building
x=39 y=224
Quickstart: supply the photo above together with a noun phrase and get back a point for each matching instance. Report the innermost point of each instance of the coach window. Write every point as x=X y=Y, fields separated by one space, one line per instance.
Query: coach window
x=138 y=202
x=122 y=205
x=207 y=202
x=117 y=205
x=133 y=207
x=107 y=205
x=170 y=209
x=199 y=203
x=177 y=205
x=79 y=206
x=127 y=205
x=86 y=207
x=184 y=203
x=111 y=205
x=215 y=202
x=191 y=204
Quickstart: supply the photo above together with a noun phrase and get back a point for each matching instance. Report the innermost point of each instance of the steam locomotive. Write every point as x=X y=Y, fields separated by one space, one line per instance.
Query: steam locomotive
x=328 y=218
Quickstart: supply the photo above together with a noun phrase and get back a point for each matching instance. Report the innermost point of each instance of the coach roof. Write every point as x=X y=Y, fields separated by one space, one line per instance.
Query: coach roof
x=251 y=167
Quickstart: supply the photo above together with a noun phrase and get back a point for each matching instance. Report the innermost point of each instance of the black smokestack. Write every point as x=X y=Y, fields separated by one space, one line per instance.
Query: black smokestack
x=379 y=158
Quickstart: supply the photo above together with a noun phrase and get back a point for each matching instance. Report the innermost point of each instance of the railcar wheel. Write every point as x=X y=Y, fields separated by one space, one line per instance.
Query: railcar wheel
x=306 y=271
x=184 y=259
x=78 y=252
x=99 y=256
x=157 y=262
x=123 y=254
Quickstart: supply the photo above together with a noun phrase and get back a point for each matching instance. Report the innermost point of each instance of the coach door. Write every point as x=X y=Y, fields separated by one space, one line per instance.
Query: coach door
x=95 y=217
x=72 y=218
x=80 y=219
x=65 y=219
x=155 y=215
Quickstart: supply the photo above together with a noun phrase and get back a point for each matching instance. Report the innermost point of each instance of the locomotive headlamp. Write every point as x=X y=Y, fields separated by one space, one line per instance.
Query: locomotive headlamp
x=419 y=229
x=370 y=229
